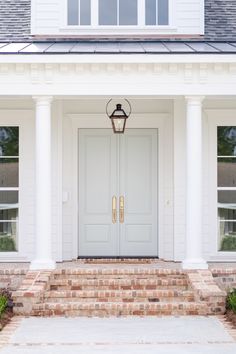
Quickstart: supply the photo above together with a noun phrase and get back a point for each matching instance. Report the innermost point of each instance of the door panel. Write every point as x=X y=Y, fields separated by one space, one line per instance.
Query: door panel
x=117 y=165
x=97 y=184
x=138 y=182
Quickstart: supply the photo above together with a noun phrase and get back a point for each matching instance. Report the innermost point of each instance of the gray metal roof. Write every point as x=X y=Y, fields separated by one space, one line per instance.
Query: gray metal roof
x=132 y=47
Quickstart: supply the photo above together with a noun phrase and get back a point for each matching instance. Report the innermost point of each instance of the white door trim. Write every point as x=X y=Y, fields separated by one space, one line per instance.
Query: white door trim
x=156 y=121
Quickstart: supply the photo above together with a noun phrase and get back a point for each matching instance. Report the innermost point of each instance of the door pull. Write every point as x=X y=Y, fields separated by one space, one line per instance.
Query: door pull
x=122 y=210
x=114 y=211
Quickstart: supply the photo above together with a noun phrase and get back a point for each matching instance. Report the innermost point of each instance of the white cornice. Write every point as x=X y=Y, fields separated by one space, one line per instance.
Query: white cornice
x=118 y=58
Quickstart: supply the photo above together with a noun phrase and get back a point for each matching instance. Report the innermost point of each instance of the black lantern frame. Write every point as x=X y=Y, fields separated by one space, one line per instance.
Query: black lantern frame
x=118 y=117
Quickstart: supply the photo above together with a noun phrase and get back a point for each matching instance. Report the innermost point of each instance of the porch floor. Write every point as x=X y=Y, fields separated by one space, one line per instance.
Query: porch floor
x=149 y=263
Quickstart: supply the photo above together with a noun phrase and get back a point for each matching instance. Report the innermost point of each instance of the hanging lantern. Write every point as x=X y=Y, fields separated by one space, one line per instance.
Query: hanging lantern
x=118 y=117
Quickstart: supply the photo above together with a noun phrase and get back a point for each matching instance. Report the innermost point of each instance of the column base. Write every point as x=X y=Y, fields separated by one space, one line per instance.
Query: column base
x=194 y=264
x=42 y=264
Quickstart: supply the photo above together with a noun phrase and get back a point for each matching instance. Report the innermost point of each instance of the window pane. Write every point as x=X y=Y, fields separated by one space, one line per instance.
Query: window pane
x=8 y=214
x=85 y=12
x=107 y=12
x=227 y=232
x=8 y=197
x=73 y=12
x=227 y=213
x=9 y=141
x=128 y=12
x=227 y=197
x=163 y=12
x=227 y=172
x=9 y=175
x=226 y=141
x=150 y=12
x=8 y=236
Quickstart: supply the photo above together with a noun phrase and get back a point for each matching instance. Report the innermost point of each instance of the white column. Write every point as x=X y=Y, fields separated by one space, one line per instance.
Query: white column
x=43 y=217
x=193 y=257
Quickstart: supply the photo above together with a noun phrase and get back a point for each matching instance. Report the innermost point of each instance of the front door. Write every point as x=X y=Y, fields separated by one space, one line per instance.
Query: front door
x=117 y=193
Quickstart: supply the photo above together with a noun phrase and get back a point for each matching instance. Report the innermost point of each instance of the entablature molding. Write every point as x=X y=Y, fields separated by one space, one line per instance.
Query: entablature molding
x=118 y=78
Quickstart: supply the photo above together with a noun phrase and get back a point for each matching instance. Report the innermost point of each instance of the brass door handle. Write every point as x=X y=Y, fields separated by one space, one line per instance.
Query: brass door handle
x=114 y=211
x=122 y=209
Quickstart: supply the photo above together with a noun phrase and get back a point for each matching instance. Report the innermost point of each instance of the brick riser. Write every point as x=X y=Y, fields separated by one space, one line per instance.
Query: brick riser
x=118 y=296
x=119 y=309
x=118 y=284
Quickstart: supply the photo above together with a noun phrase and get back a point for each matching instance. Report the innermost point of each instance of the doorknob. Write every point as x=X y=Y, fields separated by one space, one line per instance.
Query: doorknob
x=114 y=211
x=122 y=209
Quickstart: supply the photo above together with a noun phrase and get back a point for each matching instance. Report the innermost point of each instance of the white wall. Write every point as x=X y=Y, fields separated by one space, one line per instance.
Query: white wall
x=21 y=113
x=209 y=174
x=49 y=18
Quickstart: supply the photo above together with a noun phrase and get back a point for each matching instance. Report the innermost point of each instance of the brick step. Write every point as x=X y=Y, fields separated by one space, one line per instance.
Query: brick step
x=118 y=261
x=101 y=309
x=117 y=296
x=117 y=284
x=117 y=276
x=90 y=271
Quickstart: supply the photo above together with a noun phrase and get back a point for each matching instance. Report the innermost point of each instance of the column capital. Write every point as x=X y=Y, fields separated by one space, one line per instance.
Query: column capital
x=194 y=99
x=42 y=100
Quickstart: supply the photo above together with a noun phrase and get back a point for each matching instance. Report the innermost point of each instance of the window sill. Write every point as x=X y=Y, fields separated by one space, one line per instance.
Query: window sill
x=114 y=30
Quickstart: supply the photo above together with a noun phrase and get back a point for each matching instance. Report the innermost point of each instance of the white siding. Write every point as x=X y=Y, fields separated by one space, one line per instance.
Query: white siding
x=23 y=116
x=179 y=179
x=189 y=16
x=49 y=18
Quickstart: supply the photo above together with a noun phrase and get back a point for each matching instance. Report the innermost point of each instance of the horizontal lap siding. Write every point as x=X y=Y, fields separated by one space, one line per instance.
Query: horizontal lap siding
x=189 y=14
x=46 y=16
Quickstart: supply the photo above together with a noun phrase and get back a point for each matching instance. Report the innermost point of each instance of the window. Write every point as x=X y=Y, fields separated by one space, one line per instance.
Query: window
x=104 y=13
x=156 y=12
x=79 y=12
x=9 y=188
x=226 y=165
x=118 y=12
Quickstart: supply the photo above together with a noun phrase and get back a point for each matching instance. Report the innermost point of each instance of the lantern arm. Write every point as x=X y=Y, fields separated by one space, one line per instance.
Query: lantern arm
x=130 y=109
x=107 y=107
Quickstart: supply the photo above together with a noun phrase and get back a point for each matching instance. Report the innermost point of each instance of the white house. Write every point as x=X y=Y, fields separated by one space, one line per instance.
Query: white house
x=69 y=186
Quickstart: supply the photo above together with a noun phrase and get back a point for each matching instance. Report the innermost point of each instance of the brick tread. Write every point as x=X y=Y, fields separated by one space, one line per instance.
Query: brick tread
x=120 y=271
x=118 y=276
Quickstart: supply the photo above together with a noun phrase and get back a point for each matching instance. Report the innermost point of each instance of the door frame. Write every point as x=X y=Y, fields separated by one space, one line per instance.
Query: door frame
x=137 y=121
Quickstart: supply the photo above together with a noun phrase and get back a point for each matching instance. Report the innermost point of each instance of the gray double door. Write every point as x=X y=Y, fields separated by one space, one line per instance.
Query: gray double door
x=117 y=193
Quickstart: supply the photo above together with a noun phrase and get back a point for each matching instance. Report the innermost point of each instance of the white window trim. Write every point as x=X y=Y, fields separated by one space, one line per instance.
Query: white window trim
x=13 y=189
x=141 y=28
x=216 y=117
x=24 y=120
